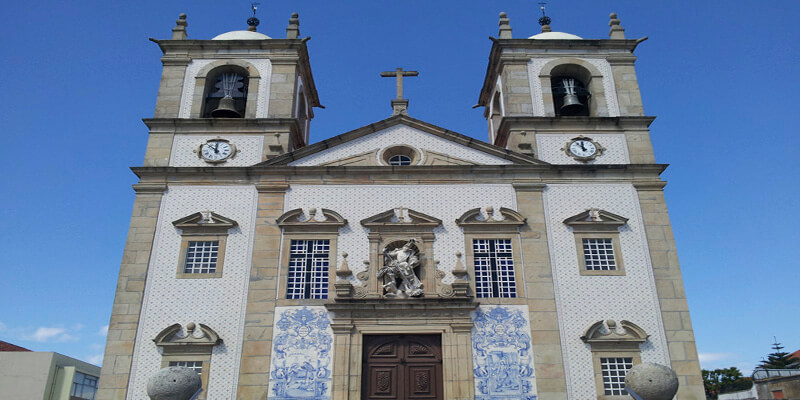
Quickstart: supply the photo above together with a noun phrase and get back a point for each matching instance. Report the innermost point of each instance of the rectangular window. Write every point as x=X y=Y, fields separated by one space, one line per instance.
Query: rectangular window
x=614 y=370
x=308 y=269
x=83 y=387
x=196 y=366
x=494 y=268
x=201 y=257
x=598 y=255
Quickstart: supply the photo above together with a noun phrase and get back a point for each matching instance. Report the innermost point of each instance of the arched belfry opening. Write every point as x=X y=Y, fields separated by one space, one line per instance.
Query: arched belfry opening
x=569 y=85
x=496 y=113
x=226 y=93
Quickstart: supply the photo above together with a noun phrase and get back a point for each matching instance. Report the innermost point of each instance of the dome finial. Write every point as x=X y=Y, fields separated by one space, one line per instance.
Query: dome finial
x=544 y=21
x=253 y=22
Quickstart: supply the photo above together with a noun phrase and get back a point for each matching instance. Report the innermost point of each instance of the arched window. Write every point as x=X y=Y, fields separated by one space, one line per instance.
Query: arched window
x=226 y=93
x=571 y=96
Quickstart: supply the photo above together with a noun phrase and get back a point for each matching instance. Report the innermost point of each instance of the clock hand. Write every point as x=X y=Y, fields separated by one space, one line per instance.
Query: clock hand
x=582 y=146
x=216 y=148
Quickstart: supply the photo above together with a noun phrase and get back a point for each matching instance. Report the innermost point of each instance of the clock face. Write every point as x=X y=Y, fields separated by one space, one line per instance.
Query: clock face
x=583 y=148
x=217 y=150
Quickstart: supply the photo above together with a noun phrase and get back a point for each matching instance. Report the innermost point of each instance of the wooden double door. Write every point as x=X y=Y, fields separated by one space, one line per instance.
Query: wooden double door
x=402 y=367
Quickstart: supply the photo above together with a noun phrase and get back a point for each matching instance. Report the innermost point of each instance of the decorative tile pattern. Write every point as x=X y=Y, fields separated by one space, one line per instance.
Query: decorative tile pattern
x=218 y=302
x=535 y=66
x=501 y=353
x=446 y=202
x=548 y=148
x=399 y=135
x=264 y=67
x=184 y=147
x=302 y=354
x=584 y=300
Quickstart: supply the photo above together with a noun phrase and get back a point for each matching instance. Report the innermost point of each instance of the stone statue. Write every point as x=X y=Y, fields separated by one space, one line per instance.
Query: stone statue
x=399 y=264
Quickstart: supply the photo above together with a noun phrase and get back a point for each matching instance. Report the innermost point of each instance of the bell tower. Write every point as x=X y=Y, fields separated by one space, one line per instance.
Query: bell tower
x=543 y=92
x=235 y=100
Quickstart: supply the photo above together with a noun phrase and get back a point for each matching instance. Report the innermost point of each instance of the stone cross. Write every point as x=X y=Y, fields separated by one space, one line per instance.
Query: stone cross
x=399 y=105
x=399 y=73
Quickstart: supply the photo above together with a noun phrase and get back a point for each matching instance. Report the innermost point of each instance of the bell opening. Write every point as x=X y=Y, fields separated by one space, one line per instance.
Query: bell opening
x=570 y=97
x=226 y=94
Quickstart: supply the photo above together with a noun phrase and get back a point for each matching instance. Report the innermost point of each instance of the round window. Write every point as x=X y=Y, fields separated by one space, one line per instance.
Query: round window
x=399 y=155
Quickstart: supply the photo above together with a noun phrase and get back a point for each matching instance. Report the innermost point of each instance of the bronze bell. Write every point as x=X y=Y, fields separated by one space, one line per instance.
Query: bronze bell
x=572 y=105
x=226 y=109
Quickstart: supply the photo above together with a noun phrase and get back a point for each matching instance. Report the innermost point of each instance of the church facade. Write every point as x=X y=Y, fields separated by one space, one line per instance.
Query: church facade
x=399 y=260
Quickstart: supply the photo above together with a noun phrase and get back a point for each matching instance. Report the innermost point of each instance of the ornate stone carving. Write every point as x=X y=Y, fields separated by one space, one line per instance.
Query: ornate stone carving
x=461 y=284
x=487 y=216
x=399 y=265
x=595 y=220
x=602 y=332
x=197 y=339
x=316 y=220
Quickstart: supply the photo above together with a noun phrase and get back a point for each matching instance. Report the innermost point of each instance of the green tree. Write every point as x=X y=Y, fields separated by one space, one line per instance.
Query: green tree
x=779 y=359
x=724 y=380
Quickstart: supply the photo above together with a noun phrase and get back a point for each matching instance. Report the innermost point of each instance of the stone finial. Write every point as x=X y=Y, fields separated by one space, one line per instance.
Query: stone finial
x=650 y=381
x=546 y=28
x=173 y=383
x=293 y=30
x=179 y=31
x=617 y=31
x=505 y=26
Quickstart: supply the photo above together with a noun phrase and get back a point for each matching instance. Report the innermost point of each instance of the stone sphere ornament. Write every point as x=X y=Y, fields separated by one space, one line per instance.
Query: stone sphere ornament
x=649 y=381
x=173 y=383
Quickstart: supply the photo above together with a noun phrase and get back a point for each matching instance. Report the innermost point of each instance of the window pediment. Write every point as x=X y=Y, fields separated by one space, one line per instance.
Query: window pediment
x=199 y=339
x=609 y=332
x=504 y=217
x=204 y=222
x=400 y=217
x=316 y=220
x=595 y=220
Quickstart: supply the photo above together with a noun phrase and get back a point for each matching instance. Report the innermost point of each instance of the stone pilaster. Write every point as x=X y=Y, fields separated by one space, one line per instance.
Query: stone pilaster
x=545 y=337
x=261 y=295
x=671 y=296
x=124 y=321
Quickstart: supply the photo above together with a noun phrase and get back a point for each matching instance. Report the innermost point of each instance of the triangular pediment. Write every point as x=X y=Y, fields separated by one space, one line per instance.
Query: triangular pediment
x=401 y=217
x=204 y=221
x=434 y=145
x=595 y=219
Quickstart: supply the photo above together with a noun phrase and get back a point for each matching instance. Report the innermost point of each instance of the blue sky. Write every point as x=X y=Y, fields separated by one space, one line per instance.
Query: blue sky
x=720 y=76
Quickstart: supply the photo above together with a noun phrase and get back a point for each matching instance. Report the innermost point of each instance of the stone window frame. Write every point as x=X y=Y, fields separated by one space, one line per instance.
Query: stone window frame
x=318 y=224
x=210 y=71
x=597 y=224
x=177 y=346
x=486 y=223
x=607 y=339
x=199 y=227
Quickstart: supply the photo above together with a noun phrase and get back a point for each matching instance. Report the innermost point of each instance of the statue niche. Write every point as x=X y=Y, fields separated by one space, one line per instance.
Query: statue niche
x=401 y=263
x=399 y=273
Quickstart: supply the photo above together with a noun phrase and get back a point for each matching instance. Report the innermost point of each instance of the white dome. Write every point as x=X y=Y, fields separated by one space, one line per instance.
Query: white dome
x=555 y=35
x=241 y=35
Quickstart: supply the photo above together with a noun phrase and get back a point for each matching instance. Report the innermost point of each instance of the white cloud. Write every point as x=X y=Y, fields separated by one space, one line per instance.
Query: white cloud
x=2 y=326
x=712 y=357
x=103 y=330
x=96 y=359
x=44 y=334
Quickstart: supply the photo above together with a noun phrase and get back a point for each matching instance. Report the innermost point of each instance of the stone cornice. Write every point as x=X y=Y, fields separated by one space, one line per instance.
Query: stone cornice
x=572 y=124
x=206 y=126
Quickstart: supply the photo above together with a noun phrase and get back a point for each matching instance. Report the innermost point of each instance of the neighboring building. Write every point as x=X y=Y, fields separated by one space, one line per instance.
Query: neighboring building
x=770 y=384
x=34 y=375
x=399 y=260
